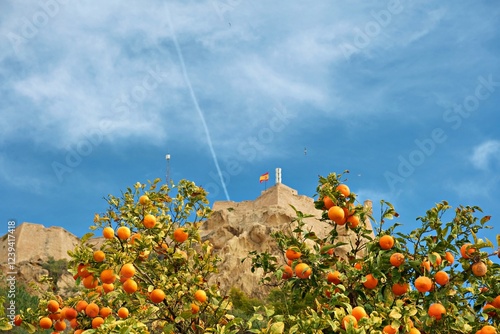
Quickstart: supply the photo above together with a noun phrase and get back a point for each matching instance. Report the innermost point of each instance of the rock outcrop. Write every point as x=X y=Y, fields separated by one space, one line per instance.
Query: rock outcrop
x=235 y=229
x=35 y=244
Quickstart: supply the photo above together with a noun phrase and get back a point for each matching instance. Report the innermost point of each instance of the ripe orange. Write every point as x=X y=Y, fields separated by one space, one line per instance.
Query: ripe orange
x=55 y=316
x=488 y=329
x=343 y=189
x=334 y=277
x=105 y=311
x=397 y=259
x=78 y=331
x=371 y=282
x=303 y=271
x=90 y=282
x=52 y=306
x=143 y=200
x=45 y=323
x=149 y=221
x=287 y=272
x=328 y=202
x=108 y=233
x=200 y=296
x=108 y=276
x=130 y=286
x=479 y=269
x=18 y=320
x=436 y=311
x=74 y=323
x=108 y=287
x=180 y=235
x=353 y=221
x=423 y=284
x=496 y=302
x=359 y=312
x=386 y=242
x=92 y=310
x=127 y=270
x=293 y=253
x=337 y=215
x=466 y=251
x=400 y=288
x=349 y=319
x=81 y=305
x=488 y=308
x=134 y=237
x=122 y=312
x=194 y=308
x=70 y=313
x=351 y=208
x=97 y=322
x=82 y=270
x=388 y=329
x=414 y=331
x=99 y=256
x=157 y=296
x=449 y=257
x=123 y=233
x=60 y=325
x=426 y=265
x=441 y=277
x=438 y=259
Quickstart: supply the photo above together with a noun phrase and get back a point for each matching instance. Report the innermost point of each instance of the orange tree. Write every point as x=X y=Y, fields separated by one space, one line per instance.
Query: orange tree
x=148 y=274
x=438 y=278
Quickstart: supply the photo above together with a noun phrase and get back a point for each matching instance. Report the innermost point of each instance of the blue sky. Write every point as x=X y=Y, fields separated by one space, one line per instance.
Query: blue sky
x=94 y=95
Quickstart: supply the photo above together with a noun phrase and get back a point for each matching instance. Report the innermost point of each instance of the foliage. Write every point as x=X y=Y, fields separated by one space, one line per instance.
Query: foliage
x=178 y=268
x=23 y=301
x=56 y=269
x=243 y=306
x=367 y=260
x=344 y=282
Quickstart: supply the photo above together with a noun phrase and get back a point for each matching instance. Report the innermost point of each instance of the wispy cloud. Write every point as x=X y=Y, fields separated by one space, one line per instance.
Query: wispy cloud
x=486 y=154
x=83 y=66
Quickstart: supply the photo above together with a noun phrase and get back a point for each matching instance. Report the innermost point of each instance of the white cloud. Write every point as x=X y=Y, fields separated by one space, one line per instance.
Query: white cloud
x=87 y=57
x=485 y=154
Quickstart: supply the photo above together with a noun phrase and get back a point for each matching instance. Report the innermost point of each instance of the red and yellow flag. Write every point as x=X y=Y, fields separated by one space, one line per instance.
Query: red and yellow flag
x=264 y=177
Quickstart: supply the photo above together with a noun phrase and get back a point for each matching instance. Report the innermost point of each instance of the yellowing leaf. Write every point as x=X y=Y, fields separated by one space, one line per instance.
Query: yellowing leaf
x=277 y=328
x=395 y=314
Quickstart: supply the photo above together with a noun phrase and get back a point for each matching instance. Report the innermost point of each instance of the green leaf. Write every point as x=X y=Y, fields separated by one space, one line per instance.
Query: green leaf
x=86 y=237
x=277 y=328
x=326 y=248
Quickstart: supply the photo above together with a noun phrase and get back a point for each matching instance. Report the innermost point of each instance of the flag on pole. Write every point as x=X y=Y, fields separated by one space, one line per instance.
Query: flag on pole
x=264 y=177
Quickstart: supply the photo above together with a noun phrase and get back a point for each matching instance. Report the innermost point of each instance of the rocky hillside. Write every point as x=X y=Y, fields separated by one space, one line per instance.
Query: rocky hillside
x=235 y=229
x=35 y=245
